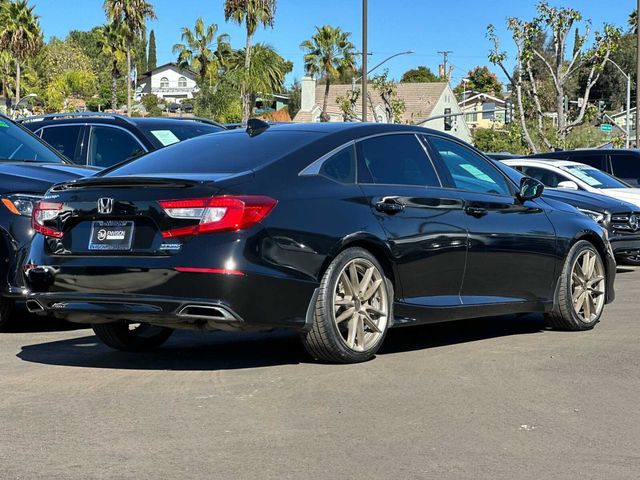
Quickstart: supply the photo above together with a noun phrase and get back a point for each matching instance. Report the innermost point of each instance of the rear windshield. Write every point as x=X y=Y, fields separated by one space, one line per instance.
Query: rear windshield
x=595 y=178
x=163 y=134
x=16 y=145
x=225 y=152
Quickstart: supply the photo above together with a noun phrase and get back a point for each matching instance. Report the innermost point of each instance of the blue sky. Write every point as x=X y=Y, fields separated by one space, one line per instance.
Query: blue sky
x=424 y=26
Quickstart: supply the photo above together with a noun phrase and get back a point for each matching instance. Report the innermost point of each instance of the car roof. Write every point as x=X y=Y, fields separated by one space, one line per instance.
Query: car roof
x=590 y=151
x=110 y=119
x=554 y=162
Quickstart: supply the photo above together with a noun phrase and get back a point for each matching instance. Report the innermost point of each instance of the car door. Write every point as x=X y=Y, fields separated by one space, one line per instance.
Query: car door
x=424 y=226
x=67 y=139
x=512 y=244
x=109 y=145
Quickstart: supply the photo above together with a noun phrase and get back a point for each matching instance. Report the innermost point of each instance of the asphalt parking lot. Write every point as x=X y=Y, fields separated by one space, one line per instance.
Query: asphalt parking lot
x=491 y=398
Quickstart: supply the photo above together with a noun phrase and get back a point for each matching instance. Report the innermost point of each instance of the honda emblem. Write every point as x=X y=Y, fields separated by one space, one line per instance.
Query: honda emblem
x=105 y=205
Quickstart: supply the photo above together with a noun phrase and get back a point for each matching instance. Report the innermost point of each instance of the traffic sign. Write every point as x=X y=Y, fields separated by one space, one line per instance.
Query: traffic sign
x=606 y=127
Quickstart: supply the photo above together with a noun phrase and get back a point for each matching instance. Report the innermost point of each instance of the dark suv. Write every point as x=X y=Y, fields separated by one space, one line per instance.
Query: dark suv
x=624 y=164
x=28 y=167
x=102 y=140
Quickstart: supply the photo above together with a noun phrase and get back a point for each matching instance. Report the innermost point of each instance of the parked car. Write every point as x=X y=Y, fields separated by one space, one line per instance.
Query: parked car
x=501 y=155
x=576 y=176
x=337 y=231
x=621 y=219
x=621 y=163
x=103 y=140
x=28 y=167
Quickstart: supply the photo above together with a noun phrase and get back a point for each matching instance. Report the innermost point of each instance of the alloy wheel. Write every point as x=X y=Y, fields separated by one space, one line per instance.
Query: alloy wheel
x=587 y=286
x=361 y=305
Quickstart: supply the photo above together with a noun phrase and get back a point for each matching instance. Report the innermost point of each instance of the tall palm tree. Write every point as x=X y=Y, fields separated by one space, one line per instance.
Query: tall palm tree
x=112 y=42
x=252 y=13
x=20 y=34
x=267 y=71
x=329 y=54
x=132 y=15
x=197 y=51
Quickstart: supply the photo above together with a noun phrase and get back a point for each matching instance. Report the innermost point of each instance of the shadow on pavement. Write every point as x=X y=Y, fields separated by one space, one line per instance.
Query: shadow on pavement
x=195 y=351
x=28 y=323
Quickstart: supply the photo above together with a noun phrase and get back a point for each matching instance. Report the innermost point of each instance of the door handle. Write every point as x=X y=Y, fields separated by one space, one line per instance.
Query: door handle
x=475 y=211
x=389 y=206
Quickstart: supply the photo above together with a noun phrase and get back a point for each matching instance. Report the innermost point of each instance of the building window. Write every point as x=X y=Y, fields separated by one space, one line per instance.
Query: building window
x=471 y=117
x=488 y=110
x=182 y=82
x=164 y=82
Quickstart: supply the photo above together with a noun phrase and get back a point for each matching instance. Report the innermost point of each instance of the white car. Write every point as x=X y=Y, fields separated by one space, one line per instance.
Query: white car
x=575 y=176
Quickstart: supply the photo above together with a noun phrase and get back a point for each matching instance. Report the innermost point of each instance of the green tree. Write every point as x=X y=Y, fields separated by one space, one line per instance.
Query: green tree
x=388 y=91
x=481 y=80
x=328 y=53
x=197 y=51
x=495 y=140
x=20 y=35
x=252 y=13
x=420 y=74
x=57 y=57
x=132 y=15
x=112 y=42
x=152 y=62
x=69 y=84
x=218 y=101
x=266 y=72
x=141 y=54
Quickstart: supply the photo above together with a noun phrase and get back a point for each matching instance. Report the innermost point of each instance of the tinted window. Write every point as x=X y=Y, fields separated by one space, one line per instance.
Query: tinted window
x=395 y=160
x=468 y=169
x=549 y=178
x=341 y=166
x=64 y=139
x=626 y=167
x=596 y=160
x=108 y=146
x=18 y=145
x=163 y=134
x=225 y=152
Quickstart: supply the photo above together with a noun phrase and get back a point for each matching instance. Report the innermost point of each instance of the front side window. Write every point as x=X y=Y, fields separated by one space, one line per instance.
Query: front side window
x=549 y=178
x=468 y=169
x=164 y=82
x=108 y=146
x=16 y=145
x=64 y=139
x=395 y=160
x=182 y=82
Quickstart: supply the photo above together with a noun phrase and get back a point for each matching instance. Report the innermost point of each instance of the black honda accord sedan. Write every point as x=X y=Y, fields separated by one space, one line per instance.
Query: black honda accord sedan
x=338 y=231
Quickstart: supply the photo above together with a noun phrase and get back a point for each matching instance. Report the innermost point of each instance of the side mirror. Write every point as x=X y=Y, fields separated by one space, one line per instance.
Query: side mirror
x=569 y=185
x=530 y=189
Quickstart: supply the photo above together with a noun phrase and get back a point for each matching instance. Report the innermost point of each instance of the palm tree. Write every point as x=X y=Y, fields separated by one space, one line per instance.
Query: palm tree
x=20 y=34
x=197 y=52
x=132 y=16
x=266 y=73
x=112 y=42
x=252 y=13
x=329 y=54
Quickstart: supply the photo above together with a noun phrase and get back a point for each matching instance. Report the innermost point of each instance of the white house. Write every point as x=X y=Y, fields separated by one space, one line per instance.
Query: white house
x=168 y=82
x=422 y=101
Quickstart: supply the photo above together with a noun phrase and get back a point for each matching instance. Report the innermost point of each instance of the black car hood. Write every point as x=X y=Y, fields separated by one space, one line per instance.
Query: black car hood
x=588 y=200
x=32 y=177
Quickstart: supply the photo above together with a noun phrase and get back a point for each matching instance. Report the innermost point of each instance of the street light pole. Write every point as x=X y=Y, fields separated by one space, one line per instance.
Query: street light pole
x=628 y=115
x=364 y=60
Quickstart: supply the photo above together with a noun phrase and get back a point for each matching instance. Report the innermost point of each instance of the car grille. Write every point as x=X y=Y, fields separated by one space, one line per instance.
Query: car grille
x=626 y=222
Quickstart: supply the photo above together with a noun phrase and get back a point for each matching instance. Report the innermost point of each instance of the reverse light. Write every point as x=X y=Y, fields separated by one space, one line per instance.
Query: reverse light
x=217 y=214
x=45 y=212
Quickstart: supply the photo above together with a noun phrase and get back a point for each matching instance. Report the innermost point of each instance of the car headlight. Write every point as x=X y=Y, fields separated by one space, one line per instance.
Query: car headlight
x=20 y=204
x=599 y=217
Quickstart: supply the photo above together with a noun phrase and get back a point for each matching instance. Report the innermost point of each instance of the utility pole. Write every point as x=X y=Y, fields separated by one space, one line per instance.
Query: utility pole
x=364 y=60
x=637 y=77
x=445 y=59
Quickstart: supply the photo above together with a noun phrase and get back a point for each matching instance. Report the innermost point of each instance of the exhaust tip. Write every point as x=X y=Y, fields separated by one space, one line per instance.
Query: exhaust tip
x=207 y=312
x=33 y=306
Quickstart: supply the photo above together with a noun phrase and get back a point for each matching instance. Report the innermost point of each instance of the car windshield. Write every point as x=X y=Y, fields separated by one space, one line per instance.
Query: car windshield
x=169 y=133
x=16 y=145
x=594 y=177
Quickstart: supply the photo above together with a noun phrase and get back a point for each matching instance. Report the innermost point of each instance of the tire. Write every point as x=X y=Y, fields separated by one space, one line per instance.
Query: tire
x=121 y=336
x=631 y=261
x=6 y=312
x=569 y=312
x=350 y=324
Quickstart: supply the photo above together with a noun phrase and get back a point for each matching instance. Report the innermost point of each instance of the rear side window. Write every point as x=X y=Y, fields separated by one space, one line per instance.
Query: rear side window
x=341 y=167
x=64 y=139
x=165 y=134
x=595 y=160
x=395 y=160
x=108 y=146
x=626 y=167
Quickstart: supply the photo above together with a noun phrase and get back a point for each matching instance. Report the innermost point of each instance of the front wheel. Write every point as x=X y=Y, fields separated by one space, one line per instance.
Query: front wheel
x=581 y=290
x=132 y=337
x=352 y=311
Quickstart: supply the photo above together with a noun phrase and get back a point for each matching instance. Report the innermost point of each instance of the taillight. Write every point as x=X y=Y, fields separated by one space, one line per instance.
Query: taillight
x=217 y=214
x=46 y=212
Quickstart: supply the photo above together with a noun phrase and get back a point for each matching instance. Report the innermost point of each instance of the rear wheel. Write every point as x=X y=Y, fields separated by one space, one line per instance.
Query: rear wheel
x=581 y=291
x=352 y=311
x=132 y=337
